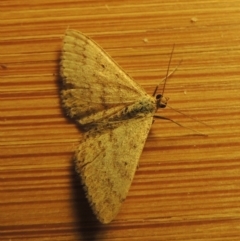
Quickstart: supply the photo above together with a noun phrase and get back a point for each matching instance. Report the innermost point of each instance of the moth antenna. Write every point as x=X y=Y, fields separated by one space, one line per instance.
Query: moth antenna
x=167 y=74
x=165 y=118
x=169 y=62
x=166 y=77
x=190 y=117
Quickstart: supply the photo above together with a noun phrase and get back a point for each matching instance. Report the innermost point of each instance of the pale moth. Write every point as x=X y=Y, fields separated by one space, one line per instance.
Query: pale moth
x=116 y=114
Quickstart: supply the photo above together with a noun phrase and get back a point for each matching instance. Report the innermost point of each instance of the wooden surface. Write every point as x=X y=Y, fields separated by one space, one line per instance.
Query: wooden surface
x=187 y=186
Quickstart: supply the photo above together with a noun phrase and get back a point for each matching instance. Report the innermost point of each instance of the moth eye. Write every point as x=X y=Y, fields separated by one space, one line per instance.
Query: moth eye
x=161 y=101
x=159 y=96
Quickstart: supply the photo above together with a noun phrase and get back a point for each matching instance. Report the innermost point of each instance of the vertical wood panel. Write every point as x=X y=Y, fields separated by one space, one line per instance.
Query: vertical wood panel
x=187 y=186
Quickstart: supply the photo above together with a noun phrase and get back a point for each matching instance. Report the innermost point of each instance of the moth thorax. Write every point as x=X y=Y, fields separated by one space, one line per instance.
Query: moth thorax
x=161 y=101
x=142 y=107
x=146 y=106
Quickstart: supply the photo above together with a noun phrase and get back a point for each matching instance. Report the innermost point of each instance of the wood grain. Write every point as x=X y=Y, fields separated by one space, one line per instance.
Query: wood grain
x=187 y=186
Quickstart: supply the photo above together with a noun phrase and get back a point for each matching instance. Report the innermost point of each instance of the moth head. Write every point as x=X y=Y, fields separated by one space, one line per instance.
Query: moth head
x=161 y=101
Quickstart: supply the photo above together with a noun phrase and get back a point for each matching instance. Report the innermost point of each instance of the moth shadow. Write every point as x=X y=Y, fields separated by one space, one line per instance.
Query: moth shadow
x=88 y=226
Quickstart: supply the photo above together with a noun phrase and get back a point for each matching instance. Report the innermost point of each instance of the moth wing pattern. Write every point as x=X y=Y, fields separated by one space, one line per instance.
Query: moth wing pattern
x=95 y=87
x=106 y=162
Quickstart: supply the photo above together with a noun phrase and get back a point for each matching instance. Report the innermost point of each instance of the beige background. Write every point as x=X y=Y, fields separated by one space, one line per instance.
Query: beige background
x=187 y=186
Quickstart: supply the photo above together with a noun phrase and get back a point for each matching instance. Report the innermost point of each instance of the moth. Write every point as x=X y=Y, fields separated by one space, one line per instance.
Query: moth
x=116 y=115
